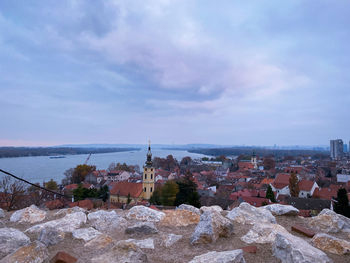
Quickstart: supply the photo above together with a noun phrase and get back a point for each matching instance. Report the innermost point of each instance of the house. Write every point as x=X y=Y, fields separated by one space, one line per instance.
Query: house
x=254 y=201
x=245 y=165
x=281 y=184
x=306 y=188
x=308 y=204
x=327 y=193
x=117 y=176
x=125 y=192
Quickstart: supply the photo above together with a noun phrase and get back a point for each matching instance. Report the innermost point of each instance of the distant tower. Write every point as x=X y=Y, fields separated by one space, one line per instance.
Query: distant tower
x=148 y=175
x=254 y=160
x=337 y=149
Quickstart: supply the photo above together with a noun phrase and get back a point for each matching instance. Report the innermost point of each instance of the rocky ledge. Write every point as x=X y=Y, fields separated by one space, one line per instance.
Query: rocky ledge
x=187 y=234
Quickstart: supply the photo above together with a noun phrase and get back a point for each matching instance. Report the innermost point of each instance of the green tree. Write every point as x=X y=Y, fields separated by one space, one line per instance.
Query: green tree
x=187 y=192
x=342 y=205
x=103 y=193
x=156 y=196
x=293 y=185
x=129 y=199
x=169 y=192
x=270 y=195
x=51 y=185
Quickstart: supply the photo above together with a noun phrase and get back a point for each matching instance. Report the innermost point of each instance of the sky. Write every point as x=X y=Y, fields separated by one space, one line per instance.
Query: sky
x=230 y=72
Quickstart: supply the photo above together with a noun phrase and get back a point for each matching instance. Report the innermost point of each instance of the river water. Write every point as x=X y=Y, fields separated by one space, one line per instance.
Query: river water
x=41 y=168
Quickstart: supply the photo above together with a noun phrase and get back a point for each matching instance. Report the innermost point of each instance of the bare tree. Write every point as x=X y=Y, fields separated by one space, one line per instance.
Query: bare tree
x=11 y=193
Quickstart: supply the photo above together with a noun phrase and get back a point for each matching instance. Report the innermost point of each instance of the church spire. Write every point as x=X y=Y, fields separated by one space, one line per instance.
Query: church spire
x=149 y=155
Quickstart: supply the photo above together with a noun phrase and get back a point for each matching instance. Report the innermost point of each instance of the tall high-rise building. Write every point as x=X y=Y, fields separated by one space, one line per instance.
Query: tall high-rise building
x=337 y=149
x=345 y=148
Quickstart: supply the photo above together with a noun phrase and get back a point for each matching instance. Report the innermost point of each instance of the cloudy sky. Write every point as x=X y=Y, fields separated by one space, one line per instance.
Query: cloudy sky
x=224 y=72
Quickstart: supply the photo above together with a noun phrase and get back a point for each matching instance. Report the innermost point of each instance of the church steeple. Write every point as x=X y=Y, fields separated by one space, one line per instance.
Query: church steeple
x=149 y=155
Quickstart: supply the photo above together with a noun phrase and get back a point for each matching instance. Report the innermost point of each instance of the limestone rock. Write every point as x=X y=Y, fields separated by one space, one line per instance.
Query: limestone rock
x=189 y=208
x=144 y=243
x=263 y=233
x=278 y=209
x=31 y=214
x=290 y=249
x=146 y=228
x=122 y=252
x=35 y=252
x=170 y=239
x=330 y=221
x=145 y=214
x=75 y=209
x=51 y=236
x=331 y=244
x=2 y=213
x=231 y=256
x=211 y=226
x=11 y=239
x=213 y=208
x=86 y=234
x=248 y=214
x=68 y=223
x=107 y=221
x=100 y=242
x=179 y=218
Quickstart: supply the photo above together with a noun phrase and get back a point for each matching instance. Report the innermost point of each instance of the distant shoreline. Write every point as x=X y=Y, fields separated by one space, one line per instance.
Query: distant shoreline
x=14 y=152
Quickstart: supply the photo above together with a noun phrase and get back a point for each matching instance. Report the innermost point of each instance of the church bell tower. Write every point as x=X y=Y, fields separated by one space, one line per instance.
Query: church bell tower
x=148 y=176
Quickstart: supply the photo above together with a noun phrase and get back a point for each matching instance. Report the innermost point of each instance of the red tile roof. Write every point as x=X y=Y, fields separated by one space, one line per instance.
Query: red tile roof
x=71 y=186
x=124 y=188
x=281 y=181
x=305 y=185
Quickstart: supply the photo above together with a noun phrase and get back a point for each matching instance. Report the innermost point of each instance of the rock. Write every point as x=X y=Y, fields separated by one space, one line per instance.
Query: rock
x=63 y=257
x=213 y=208
x=330 y=221
x=145 y=214
x=35 y=252
x=75 y=209
x=263 y=233
x=107 y=221
x=278 y=210
x=303 y=230
x=86 y=234
x=250 y=249
x=247 y=214
x=211 y=226
x=145 y=243
x=289 y=249
x=11 y=239
x=2 y=213
x=68 y=223
x=170 y=239
x=232 y=256
x=179 y=218
x=51 y=236
x=331 y=244
x=189 y=208
x=31 y=214
x=122 y=252
x=100 y=242
x=146 y=228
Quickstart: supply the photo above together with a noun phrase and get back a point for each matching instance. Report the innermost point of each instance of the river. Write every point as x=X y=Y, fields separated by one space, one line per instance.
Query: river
x=41 y=168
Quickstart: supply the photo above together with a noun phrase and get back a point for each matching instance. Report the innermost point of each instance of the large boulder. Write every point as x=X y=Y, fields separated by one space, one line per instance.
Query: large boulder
x=143 y=213
x=107 y=221
x=170 y=239
x=35 y=252
x=100 y=242
x=68 y=223
x=232 y=256
x=51 y=236
x=31 y=214
x=213 y=208
x=211 y=226
x=331 y=244
x=330 y=221
x=179 y=218
x=86 y=234
x=248 y=214
x=142 y=228
x=65 y=211
x=11 y=239
x=290 y=249
x=122 y=252
x=144 y=243
x=189 y=208
x=263 y=233
x=278 y=209
x=2 y=213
